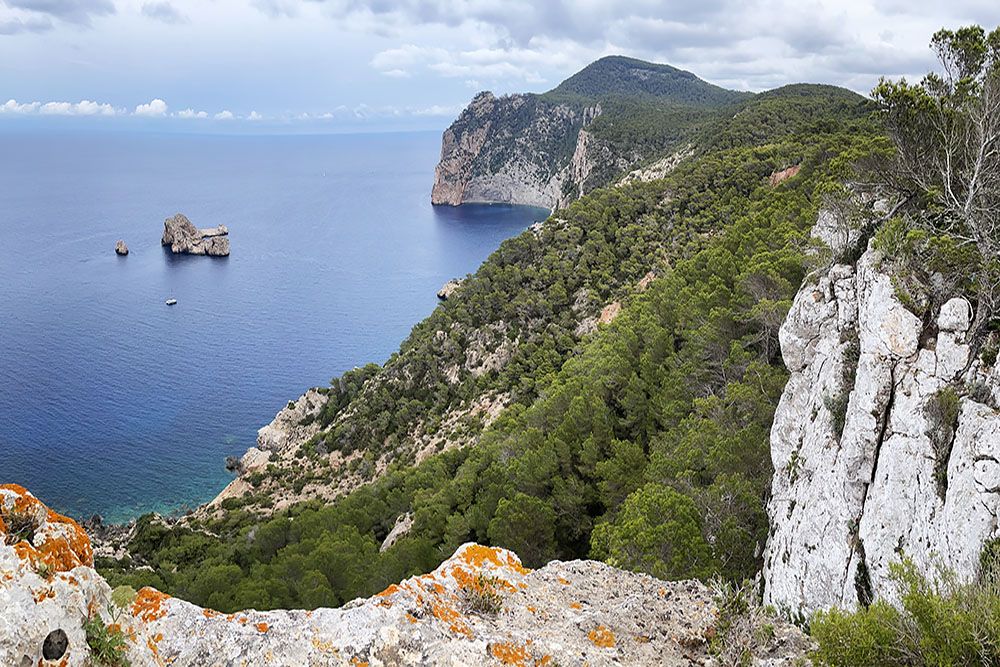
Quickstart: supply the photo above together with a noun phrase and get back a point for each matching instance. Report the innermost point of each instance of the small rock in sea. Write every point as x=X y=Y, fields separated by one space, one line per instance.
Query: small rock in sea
x=121 y=248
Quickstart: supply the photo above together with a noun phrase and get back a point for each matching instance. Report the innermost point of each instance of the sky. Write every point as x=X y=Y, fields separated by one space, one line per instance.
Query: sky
x=371 y=65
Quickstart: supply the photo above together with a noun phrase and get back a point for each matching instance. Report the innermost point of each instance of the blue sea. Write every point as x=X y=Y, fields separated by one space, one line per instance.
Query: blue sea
x=112 y=402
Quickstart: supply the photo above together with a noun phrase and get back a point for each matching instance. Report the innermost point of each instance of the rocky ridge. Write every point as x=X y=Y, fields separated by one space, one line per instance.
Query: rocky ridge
x=886 y=441
x=184 y=238
x=480 y=607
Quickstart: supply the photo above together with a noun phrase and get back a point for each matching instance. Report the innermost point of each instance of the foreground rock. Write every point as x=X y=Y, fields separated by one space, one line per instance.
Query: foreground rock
x=184 y=238
x=480 y=607
x=121 y=248
x=865 y=470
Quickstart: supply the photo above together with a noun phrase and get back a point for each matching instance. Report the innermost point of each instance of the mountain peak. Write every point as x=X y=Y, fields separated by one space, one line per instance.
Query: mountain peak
x=630 y=77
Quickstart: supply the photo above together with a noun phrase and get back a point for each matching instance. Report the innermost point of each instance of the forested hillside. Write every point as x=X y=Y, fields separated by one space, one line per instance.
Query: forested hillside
x=643 y=443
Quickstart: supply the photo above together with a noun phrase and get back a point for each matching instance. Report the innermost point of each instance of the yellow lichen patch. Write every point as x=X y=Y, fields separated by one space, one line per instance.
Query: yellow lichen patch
x=510 y=654
x=148 y=604
x=262 y=628
x=602 y=637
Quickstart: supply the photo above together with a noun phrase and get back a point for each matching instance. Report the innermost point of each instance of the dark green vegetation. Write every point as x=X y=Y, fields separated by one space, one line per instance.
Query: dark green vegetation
x=645 y=444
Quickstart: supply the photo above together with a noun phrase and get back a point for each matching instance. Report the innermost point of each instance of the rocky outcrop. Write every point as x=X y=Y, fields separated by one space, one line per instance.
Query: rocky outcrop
x=885 y=443
x=121 y=248
x=479 y=607
x=293 y=425
x=449 y=288
x=184 y=238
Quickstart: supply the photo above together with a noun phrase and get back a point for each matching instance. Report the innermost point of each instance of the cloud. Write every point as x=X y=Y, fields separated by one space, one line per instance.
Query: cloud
x=153 y=108
x=277 y=8
x=164 y=12
x=16 y=25
x=12 y=106
x=225 y=115
x=254 y=116
x=81 y=108
x=191 y=113
x=79 y=12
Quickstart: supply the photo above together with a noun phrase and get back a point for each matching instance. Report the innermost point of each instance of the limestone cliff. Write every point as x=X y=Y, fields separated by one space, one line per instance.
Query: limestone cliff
x=514 y=149
x=547 y=150
x=870 y=463
x=479 y=607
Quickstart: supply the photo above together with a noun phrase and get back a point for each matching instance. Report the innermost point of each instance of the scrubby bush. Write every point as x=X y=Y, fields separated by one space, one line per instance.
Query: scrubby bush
x=941 y=621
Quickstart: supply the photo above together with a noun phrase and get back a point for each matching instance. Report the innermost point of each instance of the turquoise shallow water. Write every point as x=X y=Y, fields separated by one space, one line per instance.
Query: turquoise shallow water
x=112 y=402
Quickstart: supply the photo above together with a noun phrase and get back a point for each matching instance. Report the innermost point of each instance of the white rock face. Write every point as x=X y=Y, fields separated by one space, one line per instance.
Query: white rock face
x=576 y=613
x=845 y=506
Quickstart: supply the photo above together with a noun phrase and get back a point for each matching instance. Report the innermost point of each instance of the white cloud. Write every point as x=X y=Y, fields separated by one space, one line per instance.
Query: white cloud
x=224 y=115
x=81 y=108
x=153 y=108
x=254 y=116
x=191 y=113
x=12 y=106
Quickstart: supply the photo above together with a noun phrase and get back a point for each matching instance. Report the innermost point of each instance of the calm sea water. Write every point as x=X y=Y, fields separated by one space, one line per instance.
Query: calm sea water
x=112 y=402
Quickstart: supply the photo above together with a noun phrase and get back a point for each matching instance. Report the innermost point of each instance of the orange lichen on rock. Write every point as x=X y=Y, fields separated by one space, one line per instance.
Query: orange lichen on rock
x=510 y=654
x=601 y=637
x=210 y=613
x=394 y=588
x=575 y=605
x=262 y=628
x=477 y=556
x=60 y=543
x=148 y=604
x=358 y=662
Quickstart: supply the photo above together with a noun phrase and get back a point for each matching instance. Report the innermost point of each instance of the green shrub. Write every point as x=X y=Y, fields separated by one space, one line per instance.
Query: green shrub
x=942 y=413
x=868 y=637
x=942 y=621
x=108 y=644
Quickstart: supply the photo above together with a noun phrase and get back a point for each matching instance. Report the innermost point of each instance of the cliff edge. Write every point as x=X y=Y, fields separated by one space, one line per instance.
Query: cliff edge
x=479 y=607
x=885 y=444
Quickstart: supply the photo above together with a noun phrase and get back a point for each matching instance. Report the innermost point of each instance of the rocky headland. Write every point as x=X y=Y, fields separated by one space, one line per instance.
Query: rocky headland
x=184 y=238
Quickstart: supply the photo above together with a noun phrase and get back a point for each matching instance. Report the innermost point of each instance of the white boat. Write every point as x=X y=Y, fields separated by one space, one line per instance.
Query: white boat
x=171 y=302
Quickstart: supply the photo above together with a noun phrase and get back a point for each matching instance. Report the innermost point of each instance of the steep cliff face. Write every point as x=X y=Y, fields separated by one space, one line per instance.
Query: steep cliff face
x=886 y=442
x=547 y=150
x=512 y=149
x=479 y=607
